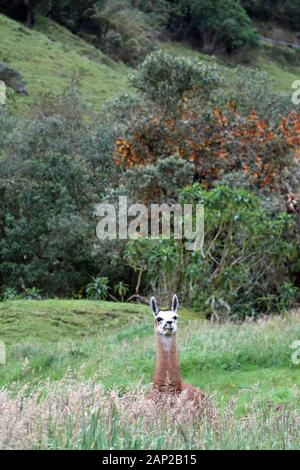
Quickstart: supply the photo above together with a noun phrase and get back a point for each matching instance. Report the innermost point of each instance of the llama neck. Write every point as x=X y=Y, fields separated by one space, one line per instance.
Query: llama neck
x=167 y=374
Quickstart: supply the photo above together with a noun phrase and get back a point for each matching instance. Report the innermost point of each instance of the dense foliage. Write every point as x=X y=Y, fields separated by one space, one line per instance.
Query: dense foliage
x=128 y=30
x=173 y=134
x=286 y=12
x=187 y=132
x=244 y=263
x=53 y=170
x=182 y=114
x=221 y=25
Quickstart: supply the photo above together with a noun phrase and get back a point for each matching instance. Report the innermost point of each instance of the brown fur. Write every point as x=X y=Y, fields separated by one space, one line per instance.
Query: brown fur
x=167 y=377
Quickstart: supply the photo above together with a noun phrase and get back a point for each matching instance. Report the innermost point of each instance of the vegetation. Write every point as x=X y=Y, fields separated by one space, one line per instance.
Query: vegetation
x=179 y=127
x=218 y=25
x=111 y=98
x=283 y=12
x=98 y=288
x=246 y=368
x=50 y=58
x=128 y=30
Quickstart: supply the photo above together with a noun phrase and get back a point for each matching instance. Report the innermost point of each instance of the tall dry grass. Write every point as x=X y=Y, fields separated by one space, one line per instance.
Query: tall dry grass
x=72 y=415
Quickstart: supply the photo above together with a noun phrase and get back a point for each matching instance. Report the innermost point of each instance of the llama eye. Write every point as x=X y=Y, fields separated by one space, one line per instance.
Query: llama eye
x=175 y=318
x=159 y=319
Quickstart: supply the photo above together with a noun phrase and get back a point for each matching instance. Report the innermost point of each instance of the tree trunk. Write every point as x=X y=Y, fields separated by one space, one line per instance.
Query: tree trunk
x=29 y=13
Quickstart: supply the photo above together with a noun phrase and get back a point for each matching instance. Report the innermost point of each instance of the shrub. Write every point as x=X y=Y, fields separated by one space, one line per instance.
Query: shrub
x=216 y=140
x=98 y=288
x=125 y=32
x=54 y=168
x=166 y=79
x=218 y=25
x=247 y=253
x=9 y=293
x=121 y=289
x=222 y=24
x=32 y=293
x=244 y=266
x=182 y=112
x=159 y=181
x=112 y=44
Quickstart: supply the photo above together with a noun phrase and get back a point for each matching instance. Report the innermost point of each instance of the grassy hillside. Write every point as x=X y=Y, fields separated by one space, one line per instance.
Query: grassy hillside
x=51 y=320
x=49 y=57
x=270 y=59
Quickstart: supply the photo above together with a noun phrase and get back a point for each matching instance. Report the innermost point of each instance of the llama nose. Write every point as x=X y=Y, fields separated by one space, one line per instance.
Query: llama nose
x=169 y=322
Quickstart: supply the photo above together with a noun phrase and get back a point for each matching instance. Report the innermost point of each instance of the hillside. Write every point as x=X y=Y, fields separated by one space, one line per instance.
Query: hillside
x=49 y=58
x=280 y=63
x=51 y=320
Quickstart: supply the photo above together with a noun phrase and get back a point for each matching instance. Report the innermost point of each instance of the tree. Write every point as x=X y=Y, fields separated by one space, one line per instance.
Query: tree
x=285 y=12
x=24 y=10
x=218 y=25
x=176 y=118
x=222 y=24
x=167 y=79
x=54 y=167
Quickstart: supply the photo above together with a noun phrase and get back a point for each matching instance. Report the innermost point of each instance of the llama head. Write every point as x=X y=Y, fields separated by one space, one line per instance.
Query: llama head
x=165 y=320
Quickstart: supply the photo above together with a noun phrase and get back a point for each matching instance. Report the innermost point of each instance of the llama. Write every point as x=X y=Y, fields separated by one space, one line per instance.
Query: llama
x=167 y=379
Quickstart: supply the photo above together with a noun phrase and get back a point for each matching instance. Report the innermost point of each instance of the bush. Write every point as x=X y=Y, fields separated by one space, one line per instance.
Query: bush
x=98 y=288
x=247 y=254
x=285 y=12
x=160 y=180
x=54 y=168
x=32 y=293
x=218 y=25
x=222 y=24
x=166 y=79
x=112 y=44
x=182 y=111
x=125 y=32
x=9 y=293
x=244 y=268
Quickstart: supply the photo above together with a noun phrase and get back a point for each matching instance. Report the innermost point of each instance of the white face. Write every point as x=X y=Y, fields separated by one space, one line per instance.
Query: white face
x=165 y=321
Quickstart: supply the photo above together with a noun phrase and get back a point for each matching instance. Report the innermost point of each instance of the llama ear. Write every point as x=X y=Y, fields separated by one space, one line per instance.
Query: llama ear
x=175 y=303
x=153 y=306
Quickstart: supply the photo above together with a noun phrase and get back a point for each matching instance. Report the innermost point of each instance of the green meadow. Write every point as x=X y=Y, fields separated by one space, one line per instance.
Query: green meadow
x=246 y=367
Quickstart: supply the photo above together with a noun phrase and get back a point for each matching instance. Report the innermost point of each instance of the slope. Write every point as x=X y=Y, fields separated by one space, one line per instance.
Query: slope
x=49 y=58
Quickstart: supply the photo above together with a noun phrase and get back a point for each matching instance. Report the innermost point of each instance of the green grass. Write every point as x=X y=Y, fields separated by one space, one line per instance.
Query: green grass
x=270 y=59
x=54 y=335
x=52 y=320
x=114 y=342
x=245 y=367
x=275 y=61
x=49 y=58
